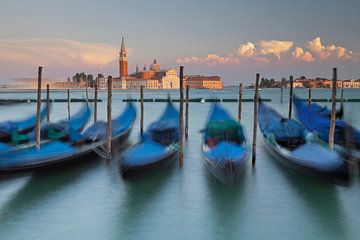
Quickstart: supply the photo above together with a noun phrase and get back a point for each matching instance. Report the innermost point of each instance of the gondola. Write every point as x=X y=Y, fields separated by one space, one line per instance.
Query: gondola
x=294 y=146
x=158 y=145
x=225 y=148
x=346 y=137
x=59 y=130
x=323 y=110
x=20 y=126
x=55 y=153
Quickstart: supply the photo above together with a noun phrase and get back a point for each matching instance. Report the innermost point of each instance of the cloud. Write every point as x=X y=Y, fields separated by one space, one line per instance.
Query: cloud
x=275 y=47
x=57 y=52
x=247 y=49
x=329 y=51
x=266 y=51
x=210 y=59
x=301 y=55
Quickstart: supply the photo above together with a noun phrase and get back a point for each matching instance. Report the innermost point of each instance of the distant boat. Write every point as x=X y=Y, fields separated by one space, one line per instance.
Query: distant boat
x=158 y=145
x=202 y=100
x=295 y=147
x=55 y=153
x=225 y=147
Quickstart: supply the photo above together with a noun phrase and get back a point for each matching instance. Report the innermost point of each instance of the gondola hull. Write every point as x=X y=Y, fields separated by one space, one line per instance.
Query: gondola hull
x=53 y=154
x=130 y=170
x=340 y=176
x=157 y=146
x=228 y=169
x=225 y=150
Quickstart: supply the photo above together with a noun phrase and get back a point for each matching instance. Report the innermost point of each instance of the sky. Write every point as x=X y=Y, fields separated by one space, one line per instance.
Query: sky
x=234 y=39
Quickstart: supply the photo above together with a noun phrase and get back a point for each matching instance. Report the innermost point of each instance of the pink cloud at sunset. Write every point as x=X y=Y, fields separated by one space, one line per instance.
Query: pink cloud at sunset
x=266 y=52
x=56 y=52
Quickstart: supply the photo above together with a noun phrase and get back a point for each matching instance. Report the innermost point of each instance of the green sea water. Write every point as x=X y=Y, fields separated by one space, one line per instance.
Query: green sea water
x=92 y=201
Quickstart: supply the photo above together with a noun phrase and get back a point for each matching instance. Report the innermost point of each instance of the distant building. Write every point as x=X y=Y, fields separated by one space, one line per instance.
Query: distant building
x=154 y=78
x=351 y=84
x=198 y=81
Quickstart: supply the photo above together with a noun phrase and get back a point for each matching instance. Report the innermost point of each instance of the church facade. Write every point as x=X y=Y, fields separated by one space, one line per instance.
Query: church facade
x=152 y=78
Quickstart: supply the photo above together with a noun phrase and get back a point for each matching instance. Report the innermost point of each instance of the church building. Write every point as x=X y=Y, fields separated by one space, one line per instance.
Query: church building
x=152 y=78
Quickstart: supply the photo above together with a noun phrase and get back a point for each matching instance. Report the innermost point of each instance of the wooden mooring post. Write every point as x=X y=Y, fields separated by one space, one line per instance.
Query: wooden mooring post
x=38 y=107
x=281 y=93
x=109 y=122
x=86 y=92
x=68 y=98
x=187 y=112
x=333 y=110
x=256 y=99
x=291 y=95
x=47 y=103
x=141 y=110
x=95 y=100
x=309 y=96
x=181 y=140
x=240 y=101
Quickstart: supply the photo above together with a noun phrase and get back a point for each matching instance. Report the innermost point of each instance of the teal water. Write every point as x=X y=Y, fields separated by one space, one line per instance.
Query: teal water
x=92 y=201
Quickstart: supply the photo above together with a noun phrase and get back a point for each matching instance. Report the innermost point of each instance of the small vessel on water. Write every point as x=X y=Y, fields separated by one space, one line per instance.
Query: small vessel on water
x=225 y=147
x=158 y=145
x=55 y=153
x=346 y=137
x=59 y=130
x=295 y=147
x=22 y=126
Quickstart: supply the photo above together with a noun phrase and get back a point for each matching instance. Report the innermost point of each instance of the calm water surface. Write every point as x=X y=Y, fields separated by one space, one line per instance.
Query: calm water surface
x=92 y=201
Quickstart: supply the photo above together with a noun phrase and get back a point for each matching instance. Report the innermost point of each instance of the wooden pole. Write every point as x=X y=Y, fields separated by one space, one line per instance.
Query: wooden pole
x=141 y=109
x=95 y=100
x=291 y=95
x=68 y=98
x=86 y=92
x=256 y=99
x=333 y=110
x=240 y=102
x=187 y=112
x=309 y=99
x=47 y=103
x=281 y=93
x=109 y=122
x=342 y=93
x=38 y=119
x=181 y=142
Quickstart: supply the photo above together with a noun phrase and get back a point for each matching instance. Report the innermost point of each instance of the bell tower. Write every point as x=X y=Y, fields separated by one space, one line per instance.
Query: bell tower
x=123 y=62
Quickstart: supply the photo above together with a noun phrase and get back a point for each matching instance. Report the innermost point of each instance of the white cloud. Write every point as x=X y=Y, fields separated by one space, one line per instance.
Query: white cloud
x=57 y=52
x=247 y=49
x=330 y=51
x=301 y=55
x=275 y=47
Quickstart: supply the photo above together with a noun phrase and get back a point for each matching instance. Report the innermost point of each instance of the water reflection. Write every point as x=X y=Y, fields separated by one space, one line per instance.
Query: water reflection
x=225 y=203
x=141 y=192
x=41 y=186
x=321 y=199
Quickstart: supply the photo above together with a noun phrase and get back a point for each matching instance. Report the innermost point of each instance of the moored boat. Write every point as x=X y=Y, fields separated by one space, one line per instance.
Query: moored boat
x=59 y=130
x=225 y=147
x=158 y=145
x=54 y=153
x=346 y=137
x=294 y=146
x=20 y=126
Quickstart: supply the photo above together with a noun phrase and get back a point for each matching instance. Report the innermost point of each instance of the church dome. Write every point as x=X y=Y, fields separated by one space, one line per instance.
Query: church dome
x=154 y=66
